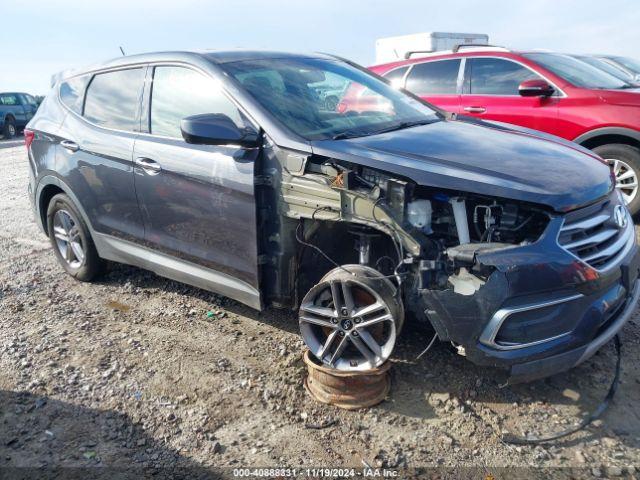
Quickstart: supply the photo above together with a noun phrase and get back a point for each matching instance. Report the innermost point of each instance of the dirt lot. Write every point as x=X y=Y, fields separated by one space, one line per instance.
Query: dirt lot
x=131 y=373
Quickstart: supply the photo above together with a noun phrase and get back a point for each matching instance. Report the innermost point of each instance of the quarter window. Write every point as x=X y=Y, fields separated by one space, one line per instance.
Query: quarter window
x=72 y=93
x=180 y=92
x=113 y=98
x=434 y=78
x=396 y=76
x=493 y=76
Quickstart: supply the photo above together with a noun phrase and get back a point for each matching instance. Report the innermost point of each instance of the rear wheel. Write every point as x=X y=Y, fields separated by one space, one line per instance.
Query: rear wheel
x=9 y=130
x=625 y=163
x=71 y=240
x=351 y=318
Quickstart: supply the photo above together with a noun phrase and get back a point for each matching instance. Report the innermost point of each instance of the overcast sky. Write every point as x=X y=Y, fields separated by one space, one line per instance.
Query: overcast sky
x=39 y=38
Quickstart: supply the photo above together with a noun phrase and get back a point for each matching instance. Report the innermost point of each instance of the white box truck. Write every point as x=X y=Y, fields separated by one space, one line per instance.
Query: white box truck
x=398 y=48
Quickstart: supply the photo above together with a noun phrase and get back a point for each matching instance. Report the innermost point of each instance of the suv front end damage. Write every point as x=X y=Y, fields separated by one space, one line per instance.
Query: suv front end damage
x=511 y=284
x=549 y=305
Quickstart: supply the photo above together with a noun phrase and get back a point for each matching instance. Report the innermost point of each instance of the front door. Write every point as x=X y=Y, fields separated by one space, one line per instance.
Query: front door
x=197 y=201
x=490 y=92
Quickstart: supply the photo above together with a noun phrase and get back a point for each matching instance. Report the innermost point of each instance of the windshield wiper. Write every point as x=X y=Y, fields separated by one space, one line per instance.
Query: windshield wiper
x=402 y=126
x=348 y=134
x=399 y=126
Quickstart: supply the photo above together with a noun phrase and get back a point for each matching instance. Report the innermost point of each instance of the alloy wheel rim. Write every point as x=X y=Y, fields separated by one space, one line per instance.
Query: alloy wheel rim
x=626 y=179
x=68 y=239
x=12 y=130
x=347 y=325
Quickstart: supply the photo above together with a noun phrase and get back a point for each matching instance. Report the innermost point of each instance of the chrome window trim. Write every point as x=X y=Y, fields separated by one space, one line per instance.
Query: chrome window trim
x=176 y=63
x=490 y=332
x=92 y=74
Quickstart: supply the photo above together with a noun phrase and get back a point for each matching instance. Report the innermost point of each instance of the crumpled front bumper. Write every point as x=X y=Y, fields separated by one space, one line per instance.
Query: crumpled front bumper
x=568 y=309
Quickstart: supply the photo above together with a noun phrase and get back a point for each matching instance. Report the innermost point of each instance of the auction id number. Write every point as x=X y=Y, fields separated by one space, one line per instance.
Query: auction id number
x=293 y=472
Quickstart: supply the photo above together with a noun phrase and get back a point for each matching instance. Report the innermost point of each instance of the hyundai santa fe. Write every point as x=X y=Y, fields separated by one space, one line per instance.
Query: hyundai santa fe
x=551 y=92
x=227 y=171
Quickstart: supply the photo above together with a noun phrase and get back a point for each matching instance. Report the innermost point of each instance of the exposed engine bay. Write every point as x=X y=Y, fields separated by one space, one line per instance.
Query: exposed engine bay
x=342 y=222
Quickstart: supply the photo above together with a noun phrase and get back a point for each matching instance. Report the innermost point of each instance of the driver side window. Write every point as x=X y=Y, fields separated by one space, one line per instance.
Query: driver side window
x=494 y=76
x=180 y=92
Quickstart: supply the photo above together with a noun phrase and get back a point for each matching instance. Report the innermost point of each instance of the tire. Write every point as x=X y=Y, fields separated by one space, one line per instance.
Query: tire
x=65 y=221
x=626 y=159
x=351 y=319
x=9 y=131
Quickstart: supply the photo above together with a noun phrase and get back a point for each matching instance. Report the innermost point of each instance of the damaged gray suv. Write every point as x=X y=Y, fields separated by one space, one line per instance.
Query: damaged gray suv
x=227 y=171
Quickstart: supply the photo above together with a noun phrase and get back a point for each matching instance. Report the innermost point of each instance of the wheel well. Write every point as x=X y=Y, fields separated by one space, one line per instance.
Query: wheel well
x=9 y=117
x=338 y=240
x=48 y=192
x=608 y=140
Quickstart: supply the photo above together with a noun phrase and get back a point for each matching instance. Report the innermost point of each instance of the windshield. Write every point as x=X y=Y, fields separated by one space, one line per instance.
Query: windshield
x=576 y=72
x=325 y=99
x=610 y=69
x=630 y=63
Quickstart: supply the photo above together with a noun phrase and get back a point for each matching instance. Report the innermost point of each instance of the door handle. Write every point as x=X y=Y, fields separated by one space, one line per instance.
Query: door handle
x=150 y=166
x=69 y=145
x=475 y=109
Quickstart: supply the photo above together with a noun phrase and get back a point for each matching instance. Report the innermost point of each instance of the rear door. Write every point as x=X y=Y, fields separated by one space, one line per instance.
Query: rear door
x=30 y=105
x=437 y=82
x=95 y=151
x=197 y=201
x=490 y=91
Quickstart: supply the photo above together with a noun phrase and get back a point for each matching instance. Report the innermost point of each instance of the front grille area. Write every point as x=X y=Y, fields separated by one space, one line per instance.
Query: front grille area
x=593 y=235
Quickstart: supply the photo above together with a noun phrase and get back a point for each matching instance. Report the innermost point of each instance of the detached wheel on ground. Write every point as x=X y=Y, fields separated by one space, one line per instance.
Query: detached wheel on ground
x=9 y=130
x=625 y=163
x=351 y=318
x=71 y=240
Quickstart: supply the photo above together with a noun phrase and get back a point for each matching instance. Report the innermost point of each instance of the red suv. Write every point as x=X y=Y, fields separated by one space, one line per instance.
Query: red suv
x=550 y=92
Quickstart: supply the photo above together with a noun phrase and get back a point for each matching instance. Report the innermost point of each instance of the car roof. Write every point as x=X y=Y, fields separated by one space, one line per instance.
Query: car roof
x=466 y=52
x=214 y=56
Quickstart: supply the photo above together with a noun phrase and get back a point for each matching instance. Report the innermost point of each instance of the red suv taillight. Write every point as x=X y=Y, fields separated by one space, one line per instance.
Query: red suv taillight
x=29 y=135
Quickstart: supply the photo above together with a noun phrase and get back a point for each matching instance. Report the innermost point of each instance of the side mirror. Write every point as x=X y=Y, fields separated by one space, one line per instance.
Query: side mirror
x=536 y=88
x=217 y=129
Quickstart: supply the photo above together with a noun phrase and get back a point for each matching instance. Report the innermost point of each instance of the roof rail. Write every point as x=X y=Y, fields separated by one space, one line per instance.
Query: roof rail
x=460 y=46
x=407 y=55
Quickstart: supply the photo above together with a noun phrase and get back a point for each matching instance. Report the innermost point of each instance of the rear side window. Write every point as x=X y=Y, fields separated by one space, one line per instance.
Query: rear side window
x=72 y=92
x=113 y=98
x=493 y=76
x=434 y=78
x=30 y=100
x=180 y=92
x=396 y=76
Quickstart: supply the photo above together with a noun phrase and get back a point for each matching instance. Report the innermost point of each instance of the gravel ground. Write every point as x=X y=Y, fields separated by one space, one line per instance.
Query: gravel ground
x=132 y=373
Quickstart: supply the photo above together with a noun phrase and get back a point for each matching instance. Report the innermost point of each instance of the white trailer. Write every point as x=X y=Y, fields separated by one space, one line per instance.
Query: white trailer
x=398 y=48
